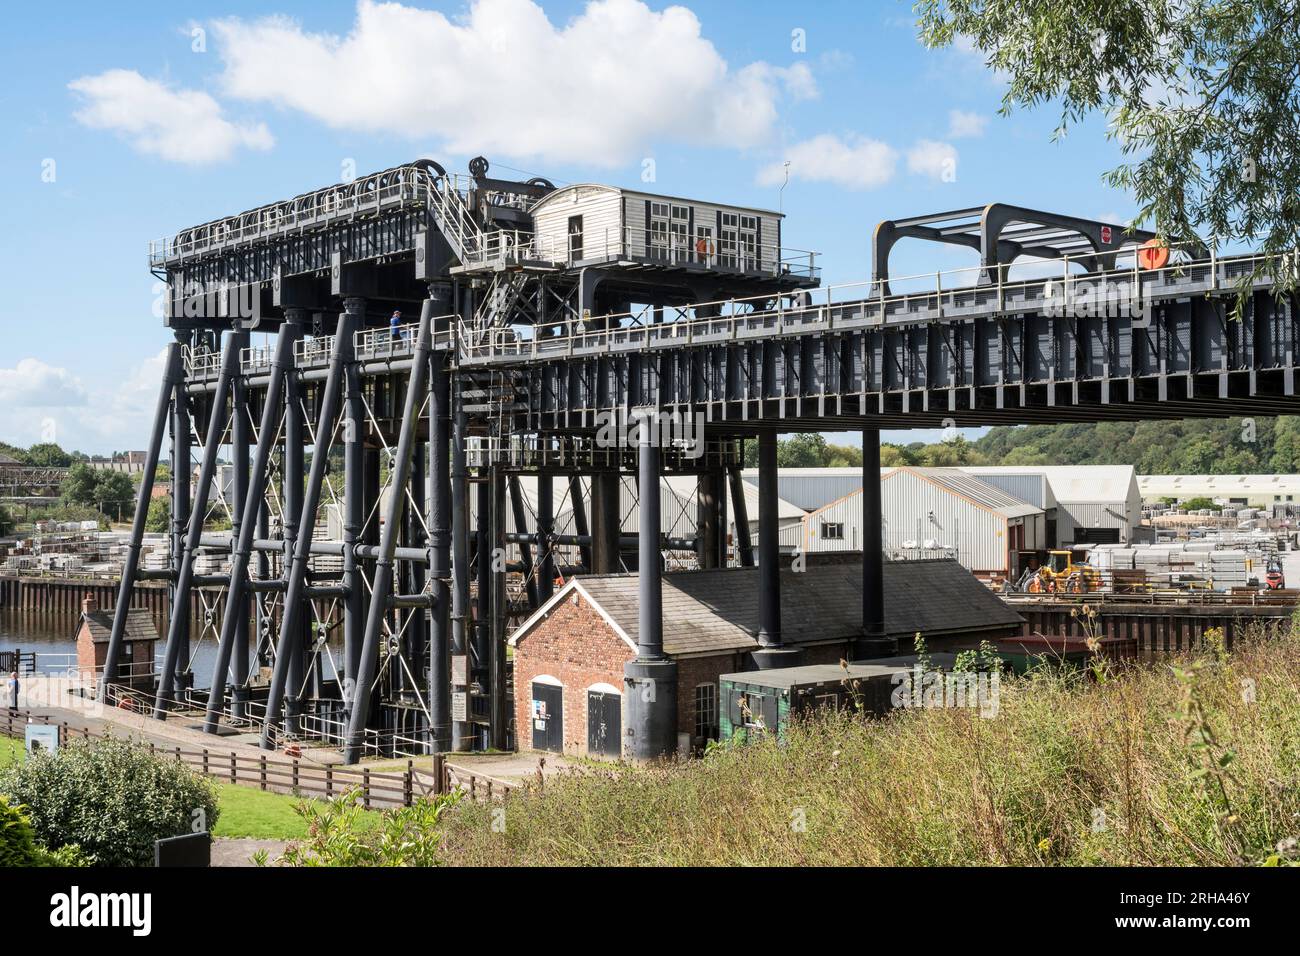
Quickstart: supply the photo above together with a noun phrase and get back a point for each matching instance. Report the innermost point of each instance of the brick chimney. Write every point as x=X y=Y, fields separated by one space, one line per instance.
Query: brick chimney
x=88 y=604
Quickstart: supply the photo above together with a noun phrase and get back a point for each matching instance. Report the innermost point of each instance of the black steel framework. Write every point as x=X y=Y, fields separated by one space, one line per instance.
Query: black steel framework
x=420 y=430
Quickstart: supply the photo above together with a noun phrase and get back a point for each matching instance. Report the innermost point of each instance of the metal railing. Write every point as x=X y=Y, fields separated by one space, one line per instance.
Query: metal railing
x=513 y=247
x=401 y=186
x=853 y=305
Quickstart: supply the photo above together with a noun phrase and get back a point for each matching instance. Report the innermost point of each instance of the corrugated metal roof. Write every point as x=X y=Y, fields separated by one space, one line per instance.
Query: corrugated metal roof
x=981 y=493
x=716 y=611
x=1188 y=485
x=1098 y=484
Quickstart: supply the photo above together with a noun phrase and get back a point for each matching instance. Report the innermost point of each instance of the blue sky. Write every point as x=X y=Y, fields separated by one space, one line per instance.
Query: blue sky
x=124 y=124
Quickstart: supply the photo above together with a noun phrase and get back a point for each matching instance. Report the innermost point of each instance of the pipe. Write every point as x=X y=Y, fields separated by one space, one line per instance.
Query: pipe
x=461 y=737
x=545 y=537
x=291 y=622
x=178 y=626
x=383 y=576
x=650 y=615
x=173 y=375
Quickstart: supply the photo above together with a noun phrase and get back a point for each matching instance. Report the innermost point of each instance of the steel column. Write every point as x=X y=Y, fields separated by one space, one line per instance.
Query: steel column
x=239 y=440
x=498 y=705
x=873 y=560
x=769 y=544
x=606 y=522
x=525 y=549
x=180 y=518
x=739 y=508
x=383 y=577
x=292 y=497
x=579 y=508
x=172 y=375
x=178 y=626
x=253 y=508
x=545 y=537
x=294 y=600
x=440 y=568
x=354 y=506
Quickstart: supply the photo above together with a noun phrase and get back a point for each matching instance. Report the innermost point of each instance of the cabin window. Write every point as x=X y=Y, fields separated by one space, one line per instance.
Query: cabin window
x=728 y=239
x=704 y=248
x=679 y=231
x=749 y=242
x=575 y=238
x=833 y=530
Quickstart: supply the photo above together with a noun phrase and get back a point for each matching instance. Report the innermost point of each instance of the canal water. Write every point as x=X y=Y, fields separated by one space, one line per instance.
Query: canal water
x=54 y=639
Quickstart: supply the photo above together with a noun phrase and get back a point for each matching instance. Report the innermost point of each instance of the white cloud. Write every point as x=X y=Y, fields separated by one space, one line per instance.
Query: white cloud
x=962 y=124
x=934 y=159
x=183 y=126
x=502 y=79
x=41 y=402
x=33 y=384
x=855 y=162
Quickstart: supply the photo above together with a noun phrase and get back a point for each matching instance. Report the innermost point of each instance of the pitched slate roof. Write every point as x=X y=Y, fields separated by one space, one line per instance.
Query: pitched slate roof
x=139 y=625
x=715 y=611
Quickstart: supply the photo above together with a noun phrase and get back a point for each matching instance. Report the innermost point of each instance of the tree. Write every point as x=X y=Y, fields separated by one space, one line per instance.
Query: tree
x=6 y=521
x=1202 y=97
x=48 y=455
x=110 y=491
x=806 y=450
x=110 y=797
x=158 y=520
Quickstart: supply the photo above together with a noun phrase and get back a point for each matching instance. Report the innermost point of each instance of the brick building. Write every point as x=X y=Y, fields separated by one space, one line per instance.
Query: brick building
x=93 y=631
x=569 y=656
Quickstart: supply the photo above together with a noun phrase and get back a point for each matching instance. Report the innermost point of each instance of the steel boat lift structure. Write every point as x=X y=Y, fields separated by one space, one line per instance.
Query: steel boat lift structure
x=522 y=352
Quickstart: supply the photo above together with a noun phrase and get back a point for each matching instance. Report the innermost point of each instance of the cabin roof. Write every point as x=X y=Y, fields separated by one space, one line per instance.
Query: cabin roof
x=551 y=198
x=716 y=611
x=139 y=625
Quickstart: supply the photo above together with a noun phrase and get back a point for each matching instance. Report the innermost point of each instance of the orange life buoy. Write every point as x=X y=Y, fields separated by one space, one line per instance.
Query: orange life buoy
x=703 y=247
x=126 y=704
x=1153 y=254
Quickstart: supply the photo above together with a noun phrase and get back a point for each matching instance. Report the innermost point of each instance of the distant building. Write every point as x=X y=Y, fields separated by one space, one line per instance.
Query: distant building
x=1242 y=491
x=136 y=668
x=569 y=656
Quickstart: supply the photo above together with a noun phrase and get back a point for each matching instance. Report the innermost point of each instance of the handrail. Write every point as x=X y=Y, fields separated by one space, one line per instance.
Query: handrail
x=740 y=317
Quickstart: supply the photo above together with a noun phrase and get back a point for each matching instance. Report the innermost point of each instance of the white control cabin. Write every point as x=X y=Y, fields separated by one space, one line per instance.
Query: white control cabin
x=590 y=223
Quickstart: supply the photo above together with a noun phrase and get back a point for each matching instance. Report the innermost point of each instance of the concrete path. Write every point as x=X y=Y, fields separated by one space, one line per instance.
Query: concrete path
x=230 y=851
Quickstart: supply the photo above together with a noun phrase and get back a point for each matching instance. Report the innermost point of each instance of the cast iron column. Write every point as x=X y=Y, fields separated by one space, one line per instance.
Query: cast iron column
x=874 y=640
x=650 y=680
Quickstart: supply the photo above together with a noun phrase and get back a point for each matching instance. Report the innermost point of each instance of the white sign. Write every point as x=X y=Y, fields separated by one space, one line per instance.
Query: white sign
x=459 y=706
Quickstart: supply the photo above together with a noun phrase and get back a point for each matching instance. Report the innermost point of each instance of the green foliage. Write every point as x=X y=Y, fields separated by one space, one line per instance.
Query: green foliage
x=47 y=455
x=341 y=833
x=113 y=492
x=159 y=518
x=17 y=843
x=111 y=797
x=1140 y=770
x=6 y=521
x=1201 y=97
x=18 y=846
x=1199 y=504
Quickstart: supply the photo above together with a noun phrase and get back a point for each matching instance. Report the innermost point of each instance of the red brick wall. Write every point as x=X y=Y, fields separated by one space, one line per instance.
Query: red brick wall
x=576 y=647
x=86 y=658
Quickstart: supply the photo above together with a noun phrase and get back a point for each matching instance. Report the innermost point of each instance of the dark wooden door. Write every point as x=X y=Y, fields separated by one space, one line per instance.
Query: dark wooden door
x=604 y=723
x=548 y=717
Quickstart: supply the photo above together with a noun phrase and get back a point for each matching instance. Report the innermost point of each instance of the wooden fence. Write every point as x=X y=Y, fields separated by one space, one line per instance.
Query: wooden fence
x=378 y=789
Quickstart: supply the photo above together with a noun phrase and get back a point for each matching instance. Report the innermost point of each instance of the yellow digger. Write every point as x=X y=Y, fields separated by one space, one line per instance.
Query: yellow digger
x=1066 y=572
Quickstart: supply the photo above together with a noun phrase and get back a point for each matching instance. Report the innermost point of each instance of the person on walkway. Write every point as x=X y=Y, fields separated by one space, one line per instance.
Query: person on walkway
x=395 y=327
x=13 y=691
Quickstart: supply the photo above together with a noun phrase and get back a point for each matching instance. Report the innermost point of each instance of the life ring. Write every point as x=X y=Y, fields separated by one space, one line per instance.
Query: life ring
x=126 y=704
x=703 y=247
x=1153 y=254
x=292 y=750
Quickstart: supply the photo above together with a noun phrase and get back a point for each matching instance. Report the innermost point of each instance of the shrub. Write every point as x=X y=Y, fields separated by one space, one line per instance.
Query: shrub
x=339 y=835
x=18 y=845
x=111 y=797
